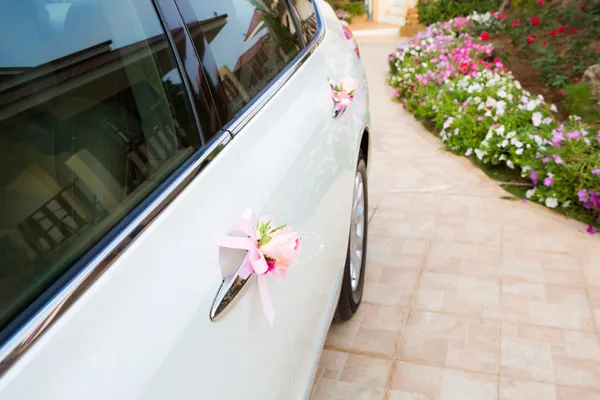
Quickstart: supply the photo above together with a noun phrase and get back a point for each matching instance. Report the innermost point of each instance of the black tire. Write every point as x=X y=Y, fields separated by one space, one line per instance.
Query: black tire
x=349 y=300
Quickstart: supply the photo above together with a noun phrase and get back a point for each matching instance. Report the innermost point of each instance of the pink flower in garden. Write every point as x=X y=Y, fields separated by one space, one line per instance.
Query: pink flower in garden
x=493 y=12
x=557 y=138
x=591 y=230
x=574 y=135
x=534 y=176
x=596 y=171
x=562 y=29
x=502 y=17
x=561 y=93
x=535 y=21
x=583 y=195
x=548 y=181
x=546 y=160
x=480 y=118
x=541 y=2
x=557 y=159
x=485 y=36
x=515 y=22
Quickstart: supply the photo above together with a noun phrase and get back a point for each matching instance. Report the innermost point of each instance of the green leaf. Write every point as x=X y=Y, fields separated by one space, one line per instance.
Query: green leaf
x=279 y=228
x=264 y=240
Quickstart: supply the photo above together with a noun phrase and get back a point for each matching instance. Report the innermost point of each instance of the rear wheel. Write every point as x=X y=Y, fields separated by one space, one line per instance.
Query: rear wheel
x=354 y=271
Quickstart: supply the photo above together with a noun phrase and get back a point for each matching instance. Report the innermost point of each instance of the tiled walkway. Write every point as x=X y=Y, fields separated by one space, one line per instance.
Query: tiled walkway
x=468 y=295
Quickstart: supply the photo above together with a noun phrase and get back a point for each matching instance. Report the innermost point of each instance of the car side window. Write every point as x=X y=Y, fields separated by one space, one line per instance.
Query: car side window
x=308 y=20
x=251 y=41
x=93 y=117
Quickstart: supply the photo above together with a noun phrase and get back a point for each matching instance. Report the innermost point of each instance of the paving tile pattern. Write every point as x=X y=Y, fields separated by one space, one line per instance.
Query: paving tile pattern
x=468 y=294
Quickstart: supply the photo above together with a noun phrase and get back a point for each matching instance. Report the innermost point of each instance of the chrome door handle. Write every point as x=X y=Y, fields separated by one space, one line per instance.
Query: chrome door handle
x=337 y=110
x=231 y=291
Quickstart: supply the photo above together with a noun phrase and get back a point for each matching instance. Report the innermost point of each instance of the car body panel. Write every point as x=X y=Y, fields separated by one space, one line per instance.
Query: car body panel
x=142 y=330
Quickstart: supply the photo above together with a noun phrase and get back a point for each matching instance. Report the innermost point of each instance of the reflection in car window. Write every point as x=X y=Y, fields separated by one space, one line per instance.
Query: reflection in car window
x=93 y=116
x=251 y=40
x=308 y=20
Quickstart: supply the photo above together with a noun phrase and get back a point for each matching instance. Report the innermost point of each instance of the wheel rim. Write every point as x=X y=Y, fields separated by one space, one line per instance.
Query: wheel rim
x=357 y=232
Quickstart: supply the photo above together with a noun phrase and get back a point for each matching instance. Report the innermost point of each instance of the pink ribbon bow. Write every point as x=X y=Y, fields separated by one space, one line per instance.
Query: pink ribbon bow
x=272 y=257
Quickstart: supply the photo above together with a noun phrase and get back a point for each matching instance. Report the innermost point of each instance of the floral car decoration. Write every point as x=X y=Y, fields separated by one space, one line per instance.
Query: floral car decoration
x=342 y=93
x=453 y=80
x=272 y=250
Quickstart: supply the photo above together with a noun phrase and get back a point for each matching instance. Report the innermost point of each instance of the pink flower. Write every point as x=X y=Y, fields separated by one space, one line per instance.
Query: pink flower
x=535 y=21
x=515 y=22
x=485 y=36
x=534 y=176
x=546 y=160
x=574 y=135
x=557 y=159
x=596 y=171
x=541 y=2
x=591 y=230
x=283 y=248
x=548 y=181
x=480 y=118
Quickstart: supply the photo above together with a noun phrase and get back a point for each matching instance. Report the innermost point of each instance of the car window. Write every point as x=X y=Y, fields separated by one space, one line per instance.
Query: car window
x=306 y=13
x=93 y=116
x=251 y=41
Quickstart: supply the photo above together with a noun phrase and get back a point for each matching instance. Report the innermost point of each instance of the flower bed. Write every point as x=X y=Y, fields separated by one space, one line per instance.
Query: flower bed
x=456 y=83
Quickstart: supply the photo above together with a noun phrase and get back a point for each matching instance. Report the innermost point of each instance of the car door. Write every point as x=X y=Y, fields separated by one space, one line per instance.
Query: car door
x=115 y=180
x=304 y=161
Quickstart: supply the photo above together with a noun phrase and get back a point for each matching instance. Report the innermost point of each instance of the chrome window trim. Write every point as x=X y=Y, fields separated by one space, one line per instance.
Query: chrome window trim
x=257 y=104
x=27 y=335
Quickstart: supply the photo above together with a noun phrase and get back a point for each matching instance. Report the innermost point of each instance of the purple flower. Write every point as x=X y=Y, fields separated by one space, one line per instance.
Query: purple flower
x=557 y=138
x=546 y=160
x=557 y=159
x=583 y=195
x=574 y=135
x=534 y=176
x=591 y=230
x=548 y=181
x=596 y=171
x=538 y=155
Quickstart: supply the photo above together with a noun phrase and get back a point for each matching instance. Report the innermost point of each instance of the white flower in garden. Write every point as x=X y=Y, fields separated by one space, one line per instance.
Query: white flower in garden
x=553 y=108
x=576 y=117
x=502 y=93
x=490 y=102
x=500 y=130
x=456 y=131
x=481 y=106
x=488 y=113
x=547 y=121
x=525 y=169
x=566 y=204
x=477 y=100
x=510 y=164
x=531 y=105
x=495 y=118
x=480 y=153
x=519 y=151
x=518 y=84
x=530 y=193
x=551 y=202
x=502 y=157
x=504 y=143
x=518 y=144
x=536 y=119
x=510 y=97
x=469 y=152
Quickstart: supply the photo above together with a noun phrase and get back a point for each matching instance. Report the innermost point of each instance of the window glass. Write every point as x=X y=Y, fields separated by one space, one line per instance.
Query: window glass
x=93 y=116
x=251 y=41
x=308 y=20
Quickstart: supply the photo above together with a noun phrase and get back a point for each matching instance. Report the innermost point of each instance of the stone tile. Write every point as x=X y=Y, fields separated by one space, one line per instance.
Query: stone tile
x=451 y=341
x=424 y=382
x=397 y=252
x=394 y=287
x=366 y=370
x=546 y=305
x=470 y=230
x=328 y=389
x=331 y=364
x=464 y=206
x=518 y=389
x=380 y=329
x=550 y=355
x=341 y=334
x=415 y=225
x=461 y=295
x=464 y=259
x=541 y=267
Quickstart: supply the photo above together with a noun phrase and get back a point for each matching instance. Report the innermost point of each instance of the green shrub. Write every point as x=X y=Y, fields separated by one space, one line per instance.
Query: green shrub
x=578 y=101
x=432 y=11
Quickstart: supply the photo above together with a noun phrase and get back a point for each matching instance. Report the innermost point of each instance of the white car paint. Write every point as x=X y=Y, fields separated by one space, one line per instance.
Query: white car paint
x=143 y=331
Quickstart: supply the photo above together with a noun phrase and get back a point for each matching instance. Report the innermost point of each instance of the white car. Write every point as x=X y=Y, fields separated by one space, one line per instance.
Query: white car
x=132 y=134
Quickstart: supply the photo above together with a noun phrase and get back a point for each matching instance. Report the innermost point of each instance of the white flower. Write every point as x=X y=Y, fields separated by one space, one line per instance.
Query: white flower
x=576 y=117
x=490 y=102
x=469 y=152
x=551 y=202
x=502 y=157
x=500 y=130
x=510 y=164
x=480 y=153
x=518 y=84
x=566 y=203
x=536 y=119
x=510 y=97
x=547 y=121
x=481 y=106
x=504 y=143
x=502 y=93
x=531 y=105
x=519 y=152
x=530 y=193
x=525 y=169
x=456 y=131
x=553 y=108
x=477 y=100
x=488 y=113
